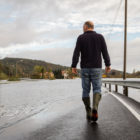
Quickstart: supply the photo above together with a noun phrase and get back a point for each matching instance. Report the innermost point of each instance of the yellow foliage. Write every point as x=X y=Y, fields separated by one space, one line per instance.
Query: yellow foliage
x=104 y=76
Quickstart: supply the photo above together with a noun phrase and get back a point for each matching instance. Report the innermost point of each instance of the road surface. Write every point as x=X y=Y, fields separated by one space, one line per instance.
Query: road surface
x=115 y=122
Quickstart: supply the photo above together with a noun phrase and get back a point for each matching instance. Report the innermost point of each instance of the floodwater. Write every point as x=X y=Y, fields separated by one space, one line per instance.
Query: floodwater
x=22 y=99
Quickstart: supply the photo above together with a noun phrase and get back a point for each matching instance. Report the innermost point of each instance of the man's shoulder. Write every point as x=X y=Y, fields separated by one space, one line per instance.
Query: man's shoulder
x=100 y=35
x=82 y=36
x=79 y=36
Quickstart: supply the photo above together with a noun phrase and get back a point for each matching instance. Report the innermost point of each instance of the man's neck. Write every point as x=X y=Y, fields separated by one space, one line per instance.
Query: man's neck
x=89 y=30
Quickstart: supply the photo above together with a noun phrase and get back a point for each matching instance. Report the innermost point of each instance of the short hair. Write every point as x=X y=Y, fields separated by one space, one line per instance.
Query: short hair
x=89 y=24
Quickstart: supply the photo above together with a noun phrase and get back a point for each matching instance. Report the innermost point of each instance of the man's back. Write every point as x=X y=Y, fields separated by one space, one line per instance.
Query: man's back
x=91 y=45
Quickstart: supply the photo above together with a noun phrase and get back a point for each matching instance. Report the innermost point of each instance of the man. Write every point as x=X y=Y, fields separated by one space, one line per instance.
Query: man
x=91 y=45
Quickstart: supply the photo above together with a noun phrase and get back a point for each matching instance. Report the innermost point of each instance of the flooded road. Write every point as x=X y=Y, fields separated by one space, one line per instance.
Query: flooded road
x=25 y=98
x=19 y=100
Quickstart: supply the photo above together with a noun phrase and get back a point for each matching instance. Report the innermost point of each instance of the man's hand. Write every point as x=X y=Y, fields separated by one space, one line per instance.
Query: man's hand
x=74 y=70
x=107 y=69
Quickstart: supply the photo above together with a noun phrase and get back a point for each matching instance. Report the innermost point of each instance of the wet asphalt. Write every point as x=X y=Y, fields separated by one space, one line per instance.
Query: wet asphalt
x=115 y=122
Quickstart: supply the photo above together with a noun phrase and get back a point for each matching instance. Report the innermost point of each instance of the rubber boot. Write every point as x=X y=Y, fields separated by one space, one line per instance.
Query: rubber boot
x=86 y=101
x=96 y=100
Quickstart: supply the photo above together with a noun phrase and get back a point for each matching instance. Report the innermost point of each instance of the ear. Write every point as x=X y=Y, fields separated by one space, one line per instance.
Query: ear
x=86 y=27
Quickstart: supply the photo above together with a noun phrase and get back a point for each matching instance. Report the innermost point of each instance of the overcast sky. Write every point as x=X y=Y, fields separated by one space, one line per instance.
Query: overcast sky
x=48 y=29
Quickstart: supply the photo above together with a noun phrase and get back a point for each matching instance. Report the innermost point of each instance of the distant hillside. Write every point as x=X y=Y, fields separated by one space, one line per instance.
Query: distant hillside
x=27 y=65
x=119 y=74
x=8 y=65
x=114 y=72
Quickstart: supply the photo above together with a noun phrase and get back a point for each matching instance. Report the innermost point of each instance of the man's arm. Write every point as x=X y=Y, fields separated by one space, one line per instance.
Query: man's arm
x=105 y=52
x=76 y=54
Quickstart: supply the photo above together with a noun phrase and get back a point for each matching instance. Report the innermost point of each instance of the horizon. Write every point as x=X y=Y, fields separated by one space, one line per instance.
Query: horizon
x=57 y=64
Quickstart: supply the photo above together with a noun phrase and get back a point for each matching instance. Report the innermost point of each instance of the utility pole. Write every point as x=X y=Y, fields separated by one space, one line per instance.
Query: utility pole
x=125 y=89
x=125 y=41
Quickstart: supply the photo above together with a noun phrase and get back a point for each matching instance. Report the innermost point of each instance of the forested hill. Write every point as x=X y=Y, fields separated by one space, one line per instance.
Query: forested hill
x=27 y=65
x=22 y=65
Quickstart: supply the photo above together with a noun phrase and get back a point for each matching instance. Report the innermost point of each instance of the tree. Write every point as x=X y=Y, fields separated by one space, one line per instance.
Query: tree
x=39 y=69
x=58 y=74
x=0 y=67
x=42 y=71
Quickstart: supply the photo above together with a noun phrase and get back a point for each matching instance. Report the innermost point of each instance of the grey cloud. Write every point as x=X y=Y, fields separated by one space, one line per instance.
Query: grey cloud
x=58 y=20
x=60 y=11
x=16 y=33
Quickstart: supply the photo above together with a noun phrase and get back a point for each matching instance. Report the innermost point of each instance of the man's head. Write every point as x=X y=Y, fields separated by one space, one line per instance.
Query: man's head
x=88 y=26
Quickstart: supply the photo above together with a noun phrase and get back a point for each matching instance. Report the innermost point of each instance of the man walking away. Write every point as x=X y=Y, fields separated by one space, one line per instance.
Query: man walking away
x=91 y=45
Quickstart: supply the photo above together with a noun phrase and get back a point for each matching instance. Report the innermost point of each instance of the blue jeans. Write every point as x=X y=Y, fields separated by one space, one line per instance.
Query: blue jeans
x=88 y=76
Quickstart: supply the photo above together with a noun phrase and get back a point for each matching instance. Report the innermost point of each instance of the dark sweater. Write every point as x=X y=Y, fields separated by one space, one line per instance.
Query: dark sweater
x=91 y=45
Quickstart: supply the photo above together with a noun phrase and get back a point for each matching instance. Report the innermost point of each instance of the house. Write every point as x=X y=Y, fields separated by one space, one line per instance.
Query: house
x=65 y=74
